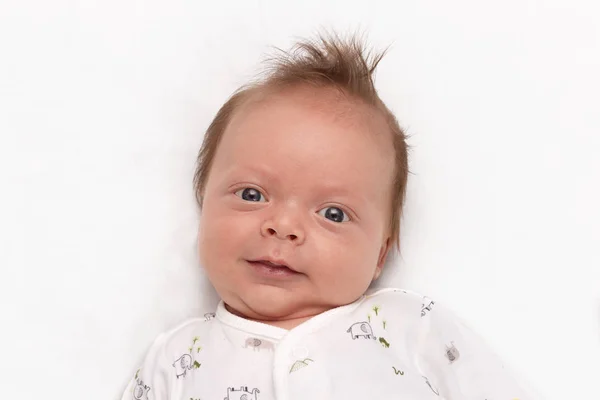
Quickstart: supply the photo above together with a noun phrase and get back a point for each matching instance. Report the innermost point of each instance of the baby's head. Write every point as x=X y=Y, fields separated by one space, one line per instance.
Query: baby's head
x=306 y=168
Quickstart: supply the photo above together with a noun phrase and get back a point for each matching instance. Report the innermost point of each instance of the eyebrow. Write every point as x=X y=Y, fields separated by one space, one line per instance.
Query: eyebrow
x=334 y=189
x=264 y=173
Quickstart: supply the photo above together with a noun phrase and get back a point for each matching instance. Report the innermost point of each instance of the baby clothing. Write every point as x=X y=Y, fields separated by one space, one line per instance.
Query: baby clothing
x=389 y=344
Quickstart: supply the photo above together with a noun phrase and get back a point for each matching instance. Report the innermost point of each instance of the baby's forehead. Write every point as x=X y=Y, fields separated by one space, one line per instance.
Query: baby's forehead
x=344 y=108
x=280 y=128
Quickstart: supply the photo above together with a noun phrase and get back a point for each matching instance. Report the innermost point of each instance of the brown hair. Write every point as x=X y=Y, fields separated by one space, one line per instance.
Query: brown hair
x=327 y=62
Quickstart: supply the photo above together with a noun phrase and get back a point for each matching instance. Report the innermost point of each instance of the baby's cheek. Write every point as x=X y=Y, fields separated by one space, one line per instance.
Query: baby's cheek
x=223 y=234
x=340 y=266
x=217 y=254
x=357 y=268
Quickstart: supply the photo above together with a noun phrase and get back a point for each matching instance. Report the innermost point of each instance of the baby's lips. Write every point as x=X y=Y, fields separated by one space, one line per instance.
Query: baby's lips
x=272 y=262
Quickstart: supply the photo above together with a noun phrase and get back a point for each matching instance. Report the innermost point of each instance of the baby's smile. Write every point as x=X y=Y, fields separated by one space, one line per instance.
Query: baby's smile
x=272 y=270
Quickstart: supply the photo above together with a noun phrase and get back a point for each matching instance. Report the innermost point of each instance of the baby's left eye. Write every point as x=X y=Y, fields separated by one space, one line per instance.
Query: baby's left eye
x=334 y=214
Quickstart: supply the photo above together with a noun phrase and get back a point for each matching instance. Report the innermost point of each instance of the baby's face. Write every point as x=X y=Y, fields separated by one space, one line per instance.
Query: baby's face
x=301 y=179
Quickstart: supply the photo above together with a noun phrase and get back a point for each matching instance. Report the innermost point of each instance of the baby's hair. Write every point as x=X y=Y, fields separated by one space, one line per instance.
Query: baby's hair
x=327 y=62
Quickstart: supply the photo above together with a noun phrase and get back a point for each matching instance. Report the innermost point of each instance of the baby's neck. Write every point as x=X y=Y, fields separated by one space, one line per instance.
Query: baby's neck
x=286 y=324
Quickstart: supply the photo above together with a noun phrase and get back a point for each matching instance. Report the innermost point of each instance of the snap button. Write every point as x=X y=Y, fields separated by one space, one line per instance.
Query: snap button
x=300 y=352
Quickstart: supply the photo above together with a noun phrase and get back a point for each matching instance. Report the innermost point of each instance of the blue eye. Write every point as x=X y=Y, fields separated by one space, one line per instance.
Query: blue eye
x=250 y=194
x=334 y=214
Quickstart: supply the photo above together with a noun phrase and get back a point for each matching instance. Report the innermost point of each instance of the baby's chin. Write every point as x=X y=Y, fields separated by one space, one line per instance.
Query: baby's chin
x=274 y=307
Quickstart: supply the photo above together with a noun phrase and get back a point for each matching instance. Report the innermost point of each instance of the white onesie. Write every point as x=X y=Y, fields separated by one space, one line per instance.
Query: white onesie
x=389 y=344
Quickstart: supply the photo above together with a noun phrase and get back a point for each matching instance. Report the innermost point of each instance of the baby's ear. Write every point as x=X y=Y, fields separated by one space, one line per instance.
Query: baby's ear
x=383 y=252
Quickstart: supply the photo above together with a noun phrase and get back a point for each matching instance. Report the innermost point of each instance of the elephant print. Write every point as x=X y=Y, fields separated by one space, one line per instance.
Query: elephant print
x=361 y=329
x=452 y=353
x=140 y=391
x=183 y=364
x=186 y=362
x=258 y=344
x=252 y=342
x=242 y=394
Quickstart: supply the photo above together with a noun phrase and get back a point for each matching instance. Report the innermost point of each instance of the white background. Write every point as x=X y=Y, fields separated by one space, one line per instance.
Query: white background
x=102 y=109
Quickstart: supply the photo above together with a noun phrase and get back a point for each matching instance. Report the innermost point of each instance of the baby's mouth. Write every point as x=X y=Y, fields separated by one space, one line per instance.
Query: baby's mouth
x=277 y=268
x=270 y=264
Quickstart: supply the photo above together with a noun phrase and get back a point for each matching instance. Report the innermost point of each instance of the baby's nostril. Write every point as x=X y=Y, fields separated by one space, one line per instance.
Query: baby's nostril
x=273 y=232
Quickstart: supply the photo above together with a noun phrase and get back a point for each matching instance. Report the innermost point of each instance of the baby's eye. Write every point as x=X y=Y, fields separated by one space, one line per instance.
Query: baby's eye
x=249 y=194
x=334 y=214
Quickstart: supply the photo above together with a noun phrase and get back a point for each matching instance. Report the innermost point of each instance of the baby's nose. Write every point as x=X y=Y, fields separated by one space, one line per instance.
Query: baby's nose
x=273 y=232
x=284 y=228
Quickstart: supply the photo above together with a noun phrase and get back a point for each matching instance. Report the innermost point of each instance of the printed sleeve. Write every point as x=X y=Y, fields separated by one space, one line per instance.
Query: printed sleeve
x=459 y=365
x=151 y=379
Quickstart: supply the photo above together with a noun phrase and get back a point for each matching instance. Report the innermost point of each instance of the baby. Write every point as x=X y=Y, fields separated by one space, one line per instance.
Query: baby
x=301 y=181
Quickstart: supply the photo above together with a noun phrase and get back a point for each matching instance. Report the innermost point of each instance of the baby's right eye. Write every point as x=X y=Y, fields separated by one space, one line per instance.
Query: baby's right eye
x=250 y=194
